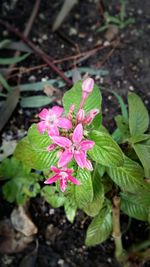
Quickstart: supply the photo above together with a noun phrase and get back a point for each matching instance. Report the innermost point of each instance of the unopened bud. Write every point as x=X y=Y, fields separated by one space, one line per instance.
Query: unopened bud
x=88 y=85
x=89 y=118
x=80 y=115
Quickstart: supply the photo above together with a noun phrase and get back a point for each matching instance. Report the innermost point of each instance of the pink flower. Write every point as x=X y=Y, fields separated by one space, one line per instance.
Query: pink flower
x=87 y=88
x=81 y=118
x=51 y=119
x=63 y=175
x=75 y=148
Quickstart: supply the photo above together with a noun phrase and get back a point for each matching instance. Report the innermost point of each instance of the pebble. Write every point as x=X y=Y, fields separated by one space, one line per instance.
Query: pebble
x=106 y=43
x=131 y=88
x=90 y=39
x=109 y=260
x=51 y=211
x=109 y=97
x=32 y=78
x=61 y=262
x=146 y=102
x=45 y=37
x=62 y=46
x=73 y=31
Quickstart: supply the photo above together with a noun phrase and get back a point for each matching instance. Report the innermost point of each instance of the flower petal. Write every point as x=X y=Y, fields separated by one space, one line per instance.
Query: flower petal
x=43 y=114
x=78 y=134
x=64 y=123
x=63 y=184
x=53 y=131
x=41 y=126
x=51 y=147
x=80 y=158
x=51 y=180
x=65 y=157
x=62 y=141
x=55 y=169
x=57 y=111
x=86 y=144
x=73 y=180
x=88 y=165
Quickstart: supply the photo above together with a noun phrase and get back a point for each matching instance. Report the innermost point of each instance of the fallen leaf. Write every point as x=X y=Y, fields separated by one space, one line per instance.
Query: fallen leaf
x=7 y=148
x=111 y=33
x=22 y=222
x=10 y=240
x=8 y=107
x=50 y=90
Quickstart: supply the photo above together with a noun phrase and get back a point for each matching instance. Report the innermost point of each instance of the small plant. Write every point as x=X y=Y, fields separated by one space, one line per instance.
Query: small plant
x=20 y=183
x=88 y=168
x=120 y=20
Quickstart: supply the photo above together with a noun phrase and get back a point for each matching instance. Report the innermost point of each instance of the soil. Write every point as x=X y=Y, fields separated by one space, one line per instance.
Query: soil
x=129 y=70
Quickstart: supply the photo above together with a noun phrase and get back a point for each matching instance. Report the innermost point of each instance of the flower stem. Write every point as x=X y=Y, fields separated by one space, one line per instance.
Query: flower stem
x=119 y=251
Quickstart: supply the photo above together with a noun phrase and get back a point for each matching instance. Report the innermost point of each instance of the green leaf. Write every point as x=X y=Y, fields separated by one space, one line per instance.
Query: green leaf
x=138 y=115
x=54 y=198
x=83 y=192
x=73 y=96
x=10 y=189
x=105 y=151
x=123 y=126
x=100 y=228
x=139 y=138
x=13 y=60
x=5 y=84
x=38 y=160
x=38 y=141
x=143 y=152
x=11 y=167
x=129 y=176
x=97 y=122
x=122 y=105
x=93 y=208
x=35 y=101
x=136 y=206
x=70 y=209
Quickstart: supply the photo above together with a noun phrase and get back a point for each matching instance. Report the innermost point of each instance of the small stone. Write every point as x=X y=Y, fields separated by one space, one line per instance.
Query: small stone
x=146 y=101
x=131 y=88
x=109 y=260
x=73 y=31
x=90 y=39
x=62 y=46
x=109 y=97
x=45 y=37
x=61 y=262
x=106 y=43
x=51 y=211
x=32 y=78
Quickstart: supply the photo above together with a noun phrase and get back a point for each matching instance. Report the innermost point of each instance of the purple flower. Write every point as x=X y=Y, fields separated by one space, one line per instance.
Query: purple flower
x=51 y=119
x=75 y=148
x=63 y=175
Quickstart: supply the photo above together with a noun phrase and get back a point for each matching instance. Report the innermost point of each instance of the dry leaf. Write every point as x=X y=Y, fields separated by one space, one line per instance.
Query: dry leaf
x=10 y=240
x=111 y=33
x=8 y=148
x=22 y=223
x=50 y=90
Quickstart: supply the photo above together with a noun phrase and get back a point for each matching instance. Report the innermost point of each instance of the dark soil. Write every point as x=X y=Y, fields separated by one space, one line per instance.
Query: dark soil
x=129 y=70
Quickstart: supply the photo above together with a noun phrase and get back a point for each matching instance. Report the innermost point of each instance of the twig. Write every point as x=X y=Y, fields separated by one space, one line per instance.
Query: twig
x=38 y=51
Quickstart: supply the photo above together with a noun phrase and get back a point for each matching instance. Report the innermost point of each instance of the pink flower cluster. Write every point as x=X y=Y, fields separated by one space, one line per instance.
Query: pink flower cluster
x=67 y=134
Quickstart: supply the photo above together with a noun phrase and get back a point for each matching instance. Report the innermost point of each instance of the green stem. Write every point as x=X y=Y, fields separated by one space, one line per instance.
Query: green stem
x=119 y=250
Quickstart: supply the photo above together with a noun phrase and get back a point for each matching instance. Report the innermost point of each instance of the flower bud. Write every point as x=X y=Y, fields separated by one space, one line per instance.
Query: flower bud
x=80 y=115
x=88 y=85
x=89 y=118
